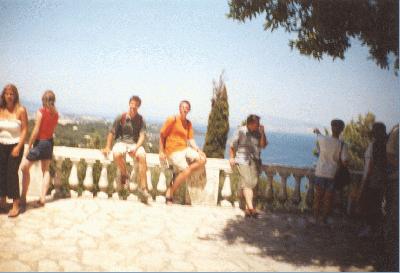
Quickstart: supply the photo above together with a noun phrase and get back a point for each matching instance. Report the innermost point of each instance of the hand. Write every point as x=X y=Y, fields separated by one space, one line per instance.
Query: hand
x=15 y=151
x=106 y=151
x=316 y=131
x=201 y=153
x=132 y=152
x=232 y=161
x=162 y=157
x=261 y=129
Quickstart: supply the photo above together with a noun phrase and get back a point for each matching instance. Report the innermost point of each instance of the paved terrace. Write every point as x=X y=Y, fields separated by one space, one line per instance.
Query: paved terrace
x=81 y=234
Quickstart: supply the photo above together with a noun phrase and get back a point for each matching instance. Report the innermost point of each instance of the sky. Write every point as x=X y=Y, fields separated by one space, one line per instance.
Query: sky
x=96 y=54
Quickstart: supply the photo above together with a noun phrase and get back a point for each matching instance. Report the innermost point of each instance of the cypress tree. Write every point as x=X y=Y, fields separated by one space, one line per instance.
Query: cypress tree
x=218 y=121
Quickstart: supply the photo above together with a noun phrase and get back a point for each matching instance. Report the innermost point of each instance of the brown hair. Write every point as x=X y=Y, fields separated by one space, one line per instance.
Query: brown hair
x=137 y=99
x=48 y=100
x=187 y=102
x=14 y=89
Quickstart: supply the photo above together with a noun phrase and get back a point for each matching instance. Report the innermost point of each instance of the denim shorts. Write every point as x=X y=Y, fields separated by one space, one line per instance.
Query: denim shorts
x=42 y=150
x=325 y=183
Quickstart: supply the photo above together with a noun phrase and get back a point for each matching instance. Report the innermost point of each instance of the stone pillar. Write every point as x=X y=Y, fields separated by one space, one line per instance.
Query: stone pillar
x=296 y=198
x=88 y=181
x=116 y=187
x=269 y=191
x=103 y=182
x=310 y=191
x=132 y=185
x=283 y=190
x=148 y=178
x=226 y=191
x=73 y=180
x=56 y=193
x=161 y=187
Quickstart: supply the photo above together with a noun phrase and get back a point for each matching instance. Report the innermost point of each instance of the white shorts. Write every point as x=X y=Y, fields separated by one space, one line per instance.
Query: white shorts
x=123 y=148
x=179 y=160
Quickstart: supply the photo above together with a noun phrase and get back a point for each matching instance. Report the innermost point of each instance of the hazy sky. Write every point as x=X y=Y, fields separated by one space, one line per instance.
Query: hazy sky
x=96 y=54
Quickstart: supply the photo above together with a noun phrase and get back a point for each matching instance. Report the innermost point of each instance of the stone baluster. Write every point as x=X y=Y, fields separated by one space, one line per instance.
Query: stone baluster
x=310 y=191
x=226 y=191
x=56 y=193
x=116 y=187
x=296 y=197
x=103 y=181
x=73 y=180
x=132 y=184
x=88 y=181
x=269 y=191
x=283 y=190
x=161 y=187
x=132 y=179
x=148 y=179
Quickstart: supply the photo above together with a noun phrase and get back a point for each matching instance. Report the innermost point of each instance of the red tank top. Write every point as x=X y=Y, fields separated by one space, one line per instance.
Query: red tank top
x=48 y=124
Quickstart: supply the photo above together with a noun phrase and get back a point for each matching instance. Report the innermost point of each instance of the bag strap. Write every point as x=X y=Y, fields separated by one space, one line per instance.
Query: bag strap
x=168 y=131
x=340 y=152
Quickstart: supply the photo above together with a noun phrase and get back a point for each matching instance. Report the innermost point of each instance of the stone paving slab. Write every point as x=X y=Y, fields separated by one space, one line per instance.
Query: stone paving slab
x=114 y=235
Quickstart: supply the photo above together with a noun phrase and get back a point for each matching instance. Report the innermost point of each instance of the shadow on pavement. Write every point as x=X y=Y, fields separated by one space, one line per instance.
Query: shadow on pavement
x=293 y=239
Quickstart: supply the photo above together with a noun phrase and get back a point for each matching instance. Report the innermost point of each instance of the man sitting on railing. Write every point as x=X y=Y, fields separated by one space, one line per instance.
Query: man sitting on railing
x=177 y=145
x=245 y=151
x=128 y=131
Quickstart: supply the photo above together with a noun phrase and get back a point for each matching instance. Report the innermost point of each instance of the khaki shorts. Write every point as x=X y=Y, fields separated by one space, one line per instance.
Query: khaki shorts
x=248 y=176
x=179 y=160
x=123 y=148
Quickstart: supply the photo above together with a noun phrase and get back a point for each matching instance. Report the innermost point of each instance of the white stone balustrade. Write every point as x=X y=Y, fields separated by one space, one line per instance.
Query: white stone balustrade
x=210 y=191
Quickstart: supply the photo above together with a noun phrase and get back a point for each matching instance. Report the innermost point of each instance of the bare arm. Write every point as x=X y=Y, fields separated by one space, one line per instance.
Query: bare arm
x=161 y=149
x=140 y=140
x=232 y=154
x=23 y=117
x=107 y=149
x=263 y=140
x=192 y=143
x=36 y=128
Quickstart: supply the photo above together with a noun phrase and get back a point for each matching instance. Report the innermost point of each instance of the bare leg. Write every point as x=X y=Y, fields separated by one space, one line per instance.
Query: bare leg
x=182 y=176
x=248 y=197
x=46 y=179
x=319 y=195
x=14 y=211
x=142 y=172
x=328 y=200
x=120 y=160
x=26 y=178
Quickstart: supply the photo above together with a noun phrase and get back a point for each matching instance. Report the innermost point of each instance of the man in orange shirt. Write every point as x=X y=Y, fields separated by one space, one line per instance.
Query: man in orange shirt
x=178 y=146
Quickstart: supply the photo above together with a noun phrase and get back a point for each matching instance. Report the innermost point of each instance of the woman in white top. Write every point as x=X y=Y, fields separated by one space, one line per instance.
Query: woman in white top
x=13 y=130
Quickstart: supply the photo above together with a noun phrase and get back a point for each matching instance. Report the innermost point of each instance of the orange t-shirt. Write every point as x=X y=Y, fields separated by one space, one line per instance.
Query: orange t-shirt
x=177 y=136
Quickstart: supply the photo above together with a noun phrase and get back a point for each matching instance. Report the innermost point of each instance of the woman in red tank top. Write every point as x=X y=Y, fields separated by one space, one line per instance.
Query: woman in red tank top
x=42 y=141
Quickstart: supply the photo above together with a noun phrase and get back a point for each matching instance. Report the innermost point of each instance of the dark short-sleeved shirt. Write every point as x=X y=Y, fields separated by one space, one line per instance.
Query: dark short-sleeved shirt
x=128 y=132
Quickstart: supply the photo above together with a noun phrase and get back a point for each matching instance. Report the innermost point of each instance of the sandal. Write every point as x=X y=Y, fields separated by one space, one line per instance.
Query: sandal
x=169 y=200
x=254 y=213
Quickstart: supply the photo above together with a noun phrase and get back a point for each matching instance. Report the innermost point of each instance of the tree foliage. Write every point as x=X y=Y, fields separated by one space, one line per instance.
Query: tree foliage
x=218 y=121
x=357 y=135
x=326 y=26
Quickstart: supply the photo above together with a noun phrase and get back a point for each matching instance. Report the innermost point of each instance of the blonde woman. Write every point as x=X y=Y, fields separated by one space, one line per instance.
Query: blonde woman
x=13 y=130
x=42 y=141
